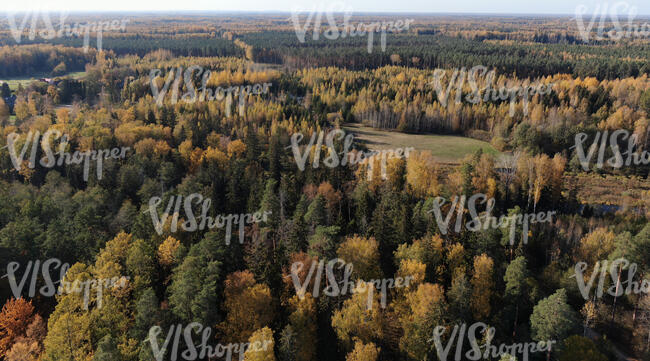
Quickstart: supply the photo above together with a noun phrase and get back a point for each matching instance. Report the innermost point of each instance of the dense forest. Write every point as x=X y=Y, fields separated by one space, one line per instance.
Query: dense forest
x=121 y=219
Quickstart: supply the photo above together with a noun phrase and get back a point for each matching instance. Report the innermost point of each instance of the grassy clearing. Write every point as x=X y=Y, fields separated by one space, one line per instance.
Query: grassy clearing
x=26 y=80
x=610 y=189
x=445 y=148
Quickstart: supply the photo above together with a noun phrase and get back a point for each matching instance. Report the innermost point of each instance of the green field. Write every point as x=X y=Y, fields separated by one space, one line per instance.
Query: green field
x=26 y=80
x=445 y=148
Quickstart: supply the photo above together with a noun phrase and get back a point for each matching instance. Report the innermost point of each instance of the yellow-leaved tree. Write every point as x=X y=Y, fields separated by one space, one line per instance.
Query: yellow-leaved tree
x=363 y=254
x=364 y=352
x=303 y=321
x=356 y=319
x=69 y=326
x=426 y=310
x=261 y=346
x=482 y=286
x=248 y=306
x=422 y=174
x=167 y=251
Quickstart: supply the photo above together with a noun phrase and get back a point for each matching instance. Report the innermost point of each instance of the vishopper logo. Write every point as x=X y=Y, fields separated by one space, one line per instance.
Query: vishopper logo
x=33 y=267
x=333 y=32
x=336 y=288
x=615 y=269
x=487 y=92
x=600 y=145
x=481 y=352
x=61 y=157
x=41 y=25
x=49 y=289
x=204 y=221
x=485 y=220
x=204 y=350
x=160 y=87
x=609 y=24
x=332 y=160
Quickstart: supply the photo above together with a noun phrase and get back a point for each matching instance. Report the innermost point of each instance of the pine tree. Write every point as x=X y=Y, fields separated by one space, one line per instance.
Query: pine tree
x=364 y=203
x=316 y=213
x=193 y=293
x=297 y=240
x=106 y=350
x=515 y=278
x=553 y=319
x=147 y=313
x=271 y=203
x=323 y=242
x=460 y=295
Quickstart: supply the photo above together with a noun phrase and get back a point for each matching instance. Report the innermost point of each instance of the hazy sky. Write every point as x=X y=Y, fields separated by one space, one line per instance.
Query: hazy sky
x=473 y=6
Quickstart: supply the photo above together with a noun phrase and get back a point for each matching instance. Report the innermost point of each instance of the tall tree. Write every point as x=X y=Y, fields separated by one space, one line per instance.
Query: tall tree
x=106 y=350
x=364 y=352
x=303 y=321
x=316 y=213
x=69 y=326
x=578 y=348
x=147 y=312
x=553 y=319
x=623 y=247
x=15 y=316
x=363 y=254
x=30 y=347
x=288 y=348
x=271 y=203
x=193 y=293
x=263 y=338
x=248 y=306
x=515 y=278
x=482 y=287
x=427 y=309
x=460 y=295
x=359 y=317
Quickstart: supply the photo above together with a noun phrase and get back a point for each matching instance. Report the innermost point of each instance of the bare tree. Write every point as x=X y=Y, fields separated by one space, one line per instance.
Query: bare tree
x=507 y=169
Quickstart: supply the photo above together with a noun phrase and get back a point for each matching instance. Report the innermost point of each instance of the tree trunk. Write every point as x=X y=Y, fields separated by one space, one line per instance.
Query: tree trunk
x=618 y=284
x=514 y=329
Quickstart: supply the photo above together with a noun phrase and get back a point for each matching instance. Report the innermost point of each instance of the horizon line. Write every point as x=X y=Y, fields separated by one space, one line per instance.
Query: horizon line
x=371 y=12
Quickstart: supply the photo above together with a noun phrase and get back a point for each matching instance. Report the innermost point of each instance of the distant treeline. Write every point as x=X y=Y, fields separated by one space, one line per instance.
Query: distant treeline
x=140 y=45
x=31 y=59
x=437 y=51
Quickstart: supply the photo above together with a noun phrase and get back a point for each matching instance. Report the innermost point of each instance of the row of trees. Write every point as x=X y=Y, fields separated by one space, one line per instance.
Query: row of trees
x=16 y=61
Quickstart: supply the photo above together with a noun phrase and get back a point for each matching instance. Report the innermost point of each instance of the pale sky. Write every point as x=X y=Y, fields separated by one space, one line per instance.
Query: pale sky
x=425 y=6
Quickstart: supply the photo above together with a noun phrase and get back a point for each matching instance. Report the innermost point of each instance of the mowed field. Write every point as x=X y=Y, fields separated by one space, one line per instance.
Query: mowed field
x=445 y=148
